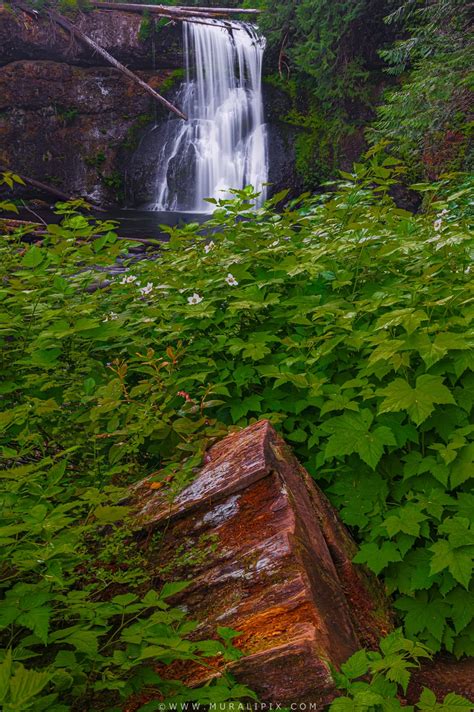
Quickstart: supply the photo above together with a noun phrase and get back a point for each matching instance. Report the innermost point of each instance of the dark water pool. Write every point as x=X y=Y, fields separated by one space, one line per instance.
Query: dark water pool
x=133 y=222
x=147 y=223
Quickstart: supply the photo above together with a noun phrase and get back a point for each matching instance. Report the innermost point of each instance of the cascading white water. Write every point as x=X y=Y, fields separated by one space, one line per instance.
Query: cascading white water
x=222 y=145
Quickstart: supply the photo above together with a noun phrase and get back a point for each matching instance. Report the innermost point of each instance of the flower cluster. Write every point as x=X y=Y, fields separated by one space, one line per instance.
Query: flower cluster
x=438 y=223
x=128 y=279
x=231 y=280
x=147 y=289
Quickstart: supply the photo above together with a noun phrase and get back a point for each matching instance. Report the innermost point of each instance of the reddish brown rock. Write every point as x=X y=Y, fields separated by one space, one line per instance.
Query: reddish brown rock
x=268 y=557
x=442 y=675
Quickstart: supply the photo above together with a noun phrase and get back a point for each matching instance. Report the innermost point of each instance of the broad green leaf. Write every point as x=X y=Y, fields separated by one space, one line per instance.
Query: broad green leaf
x=109 y=514
x=342 y=704
x=377 y=558
x=356 y=666
x=459 y=562
x=34 y=256
x=169 y=589
x=351 y=432
x=26 y=684
x=5 y=674
x=37 y=620
x=420 y=401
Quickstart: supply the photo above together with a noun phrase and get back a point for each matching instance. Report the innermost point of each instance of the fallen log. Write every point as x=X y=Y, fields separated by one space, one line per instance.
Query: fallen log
x=38 y=231
x=46 y=188
x=66 y=25
x=173 y=16
x=41 y=186
x=272 y=560
x=279 y=569
x=170 y=10
x=225 y=10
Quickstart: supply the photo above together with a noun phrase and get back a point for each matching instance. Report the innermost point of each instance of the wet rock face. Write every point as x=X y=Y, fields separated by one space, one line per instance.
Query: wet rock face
x=73 y=127
x=23 y=36
x=281 y=138
x=68 y=119
x=267 y=556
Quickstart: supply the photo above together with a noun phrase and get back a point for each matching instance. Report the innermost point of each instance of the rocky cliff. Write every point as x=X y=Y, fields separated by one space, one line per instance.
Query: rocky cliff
x=65 y=117
x=74 y=122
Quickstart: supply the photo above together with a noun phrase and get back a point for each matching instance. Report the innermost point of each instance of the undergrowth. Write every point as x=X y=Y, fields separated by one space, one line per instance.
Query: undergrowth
x=342 y=319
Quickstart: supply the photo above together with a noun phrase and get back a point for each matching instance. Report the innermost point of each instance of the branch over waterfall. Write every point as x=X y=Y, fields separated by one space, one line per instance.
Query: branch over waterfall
x=175 y=11
x=85 y=39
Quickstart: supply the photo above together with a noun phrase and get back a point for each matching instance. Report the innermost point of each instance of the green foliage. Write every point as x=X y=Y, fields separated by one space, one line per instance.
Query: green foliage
x=427 y=114
x=9 y=179
x=134 y=132
x=321 y=42
x=372 y=681
x=96 y=160
x=67 y=115
x=326 y=56
x=146 y=27
x=334 y=53
x=173 y=78
x=343 y=319
x=318 y=146
x=114 y=180
x=80 y=622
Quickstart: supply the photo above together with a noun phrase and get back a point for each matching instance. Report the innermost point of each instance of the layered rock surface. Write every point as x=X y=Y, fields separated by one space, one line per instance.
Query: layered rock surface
x=65 y=118
x=267 y=556
x=69 y=119
x=25 y=36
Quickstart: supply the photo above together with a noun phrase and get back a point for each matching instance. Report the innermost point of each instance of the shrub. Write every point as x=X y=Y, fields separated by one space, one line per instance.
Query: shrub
x=343 y=319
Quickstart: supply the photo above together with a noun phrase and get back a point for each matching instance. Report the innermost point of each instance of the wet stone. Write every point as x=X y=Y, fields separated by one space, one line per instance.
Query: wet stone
x=267 y=556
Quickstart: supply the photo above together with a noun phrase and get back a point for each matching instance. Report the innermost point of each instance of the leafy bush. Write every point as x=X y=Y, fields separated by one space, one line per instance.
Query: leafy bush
x=373 y=680
x=428 y=114
x=79 y=620
x=342 y=319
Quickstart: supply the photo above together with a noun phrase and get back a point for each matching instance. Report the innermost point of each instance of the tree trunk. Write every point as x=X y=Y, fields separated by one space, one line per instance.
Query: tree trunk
x=41 y=186
x=175 y=10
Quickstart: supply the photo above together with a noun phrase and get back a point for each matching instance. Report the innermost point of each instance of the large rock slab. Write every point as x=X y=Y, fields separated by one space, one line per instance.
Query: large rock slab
x=267 y=556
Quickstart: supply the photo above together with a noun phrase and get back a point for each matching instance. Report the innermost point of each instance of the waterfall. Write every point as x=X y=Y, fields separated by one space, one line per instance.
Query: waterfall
x=222 y=145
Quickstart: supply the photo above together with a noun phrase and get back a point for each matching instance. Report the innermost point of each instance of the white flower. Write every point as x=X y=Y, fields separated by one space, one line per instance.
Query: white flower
x=194 y=299
x=128 y=280
x=110 y=317
x=275 y=243
x=231 y=280
x=147 y=289
x=443 y=212
x=437 y=224
x=208 y=247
